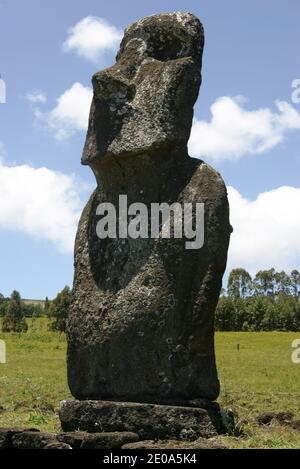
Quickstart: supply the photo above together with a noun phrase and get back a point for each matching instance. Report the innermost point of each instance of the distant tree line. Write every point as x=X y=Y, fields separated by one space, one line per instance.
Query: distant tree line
x=14 y=312
x=269 y=301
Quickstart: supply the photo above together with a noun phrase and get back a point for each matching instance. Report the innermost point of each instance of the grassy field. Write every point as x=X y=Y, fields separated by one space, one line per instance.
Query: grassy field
x=258 y=377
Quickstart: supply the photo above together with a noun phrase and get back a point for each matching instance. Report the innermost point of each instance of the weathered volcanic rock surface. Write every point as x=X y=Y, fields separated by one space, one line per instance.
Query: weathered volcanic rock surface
x=107 y=440
x=22 y=438
x=147 y=421
x=33 y=440
x=141 y=324
x=7 y=434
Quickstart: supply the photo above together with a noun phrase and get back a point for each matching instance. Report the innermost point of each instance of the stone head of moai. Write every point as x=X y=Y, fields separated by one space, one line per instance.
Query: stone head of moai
x=144 y=102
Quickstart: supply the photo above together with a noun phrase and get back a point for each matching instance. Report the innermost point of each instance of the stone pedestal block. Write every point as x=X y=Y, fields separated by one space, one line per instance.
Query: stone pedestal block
x=149 y=421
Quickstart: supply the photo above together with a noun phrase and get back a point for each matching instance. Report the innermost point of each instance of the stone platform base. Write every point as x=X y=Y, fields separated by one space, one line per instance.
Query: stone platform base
x=148 y=421
x=22 y=438
x=111 y=425
x=18 y=438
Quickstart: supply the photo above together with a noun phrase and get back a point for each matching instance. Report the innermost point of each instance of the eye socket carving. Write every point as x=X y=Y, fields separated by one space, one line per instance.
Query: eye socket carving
x=168 y=48
x=161 y=47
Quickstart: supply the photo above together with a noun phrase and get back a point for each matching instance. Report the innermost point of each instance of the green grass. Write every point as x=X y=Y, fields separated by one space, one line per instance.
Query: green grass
x=33 y=380
x=259 y=377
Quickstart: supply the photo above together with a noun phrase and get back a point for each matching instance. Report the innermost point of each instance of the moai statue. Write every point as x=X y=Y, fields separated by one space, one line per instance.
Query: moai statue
x=141 y=325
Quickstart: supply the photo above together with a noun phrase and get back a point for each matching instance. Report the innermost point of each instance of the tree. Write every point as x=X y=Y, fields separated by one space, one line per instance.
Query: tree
x=3 y=301
x=264 y=283
x=47 y=306
x=224 y=314
x=239 y=283
x=14 y=320
x=295 y=282
x=282 y=282
x=288 y=312
x=59 y=310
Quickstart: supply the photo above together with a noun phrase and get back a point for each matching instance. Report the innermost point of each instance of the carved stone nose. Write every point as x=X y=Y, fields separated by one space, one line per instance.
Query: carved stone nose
x=111 y=86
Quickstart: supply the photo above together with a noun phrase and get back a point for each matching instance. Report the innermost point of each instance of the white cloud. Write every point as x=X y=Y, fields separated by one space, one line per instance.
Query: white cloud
x=41 y=203
x=37 y=97
x=70 y=114
x=234 y=131
x=92 y=37
x=47 y=204
x=266 y=230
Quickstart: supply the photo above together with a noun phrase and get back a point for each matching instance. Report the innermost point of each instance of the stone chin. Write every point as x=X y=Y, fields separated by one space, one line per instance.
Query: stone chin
x=144 y=102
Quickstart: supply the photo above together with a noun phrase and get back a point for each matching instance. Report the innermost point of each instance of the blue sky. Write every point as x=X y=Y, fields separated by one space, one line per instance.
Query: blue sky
x=251 y=59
